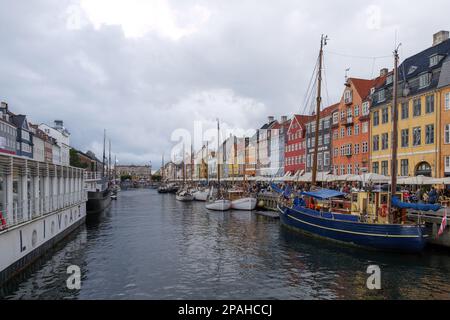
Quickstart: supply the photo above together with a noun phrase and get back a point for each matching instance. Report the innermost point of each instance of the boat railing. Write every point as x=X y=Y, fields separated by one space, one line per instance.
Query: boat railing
x=36 y=207
x=92 y=175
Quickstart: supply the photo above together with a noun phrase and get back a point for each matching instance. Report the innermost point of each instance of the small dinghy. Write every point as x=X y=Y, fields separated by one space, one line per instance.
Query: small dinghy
x=248 y=204
x=219 y=205
x=184 y=196
x=201 y=195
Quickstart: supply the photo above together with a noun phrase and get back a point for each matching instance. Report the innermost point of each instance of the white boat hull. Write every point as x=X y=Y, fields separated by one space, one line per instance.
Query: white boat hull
x=219 y=205
x=244 y=204
x=201 y=195
x=186 y=197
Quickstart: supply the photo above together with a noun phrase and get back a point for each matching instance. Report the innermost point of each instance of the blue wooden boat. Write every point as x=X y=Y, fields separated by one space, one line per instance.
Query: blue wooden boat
x=349 y=229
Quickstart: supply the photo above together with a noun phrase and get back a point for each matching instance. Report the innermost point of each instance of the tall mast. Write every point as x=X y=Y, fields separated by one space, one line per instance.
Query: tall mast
x=184 y=166
x=394 y=133
x=207 y=163
x=192 y=163
x=217 y=156
x=323 y=42
x=162 y=168
x=109 y=161
x=104 y=151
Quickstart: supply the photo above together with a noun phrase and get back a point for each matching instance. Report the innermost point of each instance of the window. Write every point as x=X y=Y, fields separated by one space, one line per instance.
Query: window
x=335 y=134
x=335 y=118
x=447 y=164
x=424 y=80
x=385 y=115
x=389 y=79
x=326 y=158
x=429 y=104
x=356 y=168
x=320 y=140
x=381 y=95
x=405 y=138
x=326 y=139
x=404 y=167
x=384 y=141
x=342 y=132
x=376 y=143
x=417 y=132
x=417 y=107
x=349 y=112
x=342 y=169
x=384 y=168
x=365 y=127
x=447 y=134
x=375 y=167
x=365 y=147
x=447 y=101
x=405 y=110
x=429 y=134
x=348 y=96
x=336 y=152
x=365 y=108
x=349 y=131
x=357 y=148
x=356 y=129
x=349 y=169
x=376 y=119
x=356 y=111
x=434 y=60
x=326 y=124
x=342 y=115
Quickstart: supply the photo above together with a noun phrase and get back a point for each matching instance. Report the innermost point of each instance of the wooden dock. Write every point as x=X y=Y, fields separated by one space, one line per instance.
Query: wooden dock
x=434 y=220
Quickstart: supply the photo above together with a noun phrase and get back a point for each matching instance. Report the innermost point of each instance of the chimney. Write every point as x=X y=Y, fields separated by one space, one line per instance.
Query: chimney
x=440 y=37
x=271 y=118
x=384 y=72
x=283 y=119
x=59 y=124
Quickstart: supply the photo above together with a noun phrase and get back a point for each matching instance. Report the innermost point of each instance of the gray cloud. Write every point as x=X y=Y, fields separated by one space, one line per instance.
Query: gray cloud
x=249 y=59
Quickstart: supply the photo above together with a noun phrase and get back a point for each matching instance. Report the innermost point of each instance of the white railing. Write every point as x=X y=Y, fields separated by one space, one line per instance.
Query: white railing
x=92 y=176
x=26 y=210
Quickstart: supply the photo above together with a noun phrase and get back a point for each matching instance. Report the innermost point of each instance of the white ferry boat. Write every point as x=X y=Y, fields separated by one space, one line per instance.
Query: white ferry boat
x=40 y=204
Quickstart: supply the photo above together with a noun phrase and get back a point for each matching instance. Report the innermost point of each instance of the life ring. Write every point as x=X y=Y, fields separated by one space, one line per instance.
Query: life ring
x=382 y=211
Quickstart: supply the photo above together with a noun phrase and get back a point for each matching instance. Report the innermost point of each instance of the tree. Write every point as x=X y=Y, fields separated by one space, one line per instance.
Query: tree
x=75 y=160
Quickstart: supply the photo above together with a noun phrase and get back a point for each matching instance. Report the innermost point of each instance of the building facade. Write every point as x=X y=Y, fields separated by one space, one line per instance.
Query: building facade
x=350 y=127
x=8 y=132
x=295 y=145
x=62 y=138
x=419 y=111
x=325 y=144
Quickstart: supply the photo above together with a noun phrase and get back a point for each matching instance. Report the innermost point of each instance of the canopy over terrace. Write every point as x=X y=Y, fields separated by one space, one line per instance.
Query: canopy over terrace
x=369 y=178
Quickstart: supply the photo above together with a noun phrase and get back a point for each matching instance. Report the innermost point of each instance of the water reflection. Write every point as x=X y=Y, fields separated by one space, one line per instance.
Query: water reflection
x=150 y=246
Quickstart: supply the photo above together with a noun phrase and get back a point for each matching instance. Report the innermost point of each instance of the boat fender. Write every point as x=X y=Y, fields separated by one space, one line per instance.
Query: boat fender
x=2 y=221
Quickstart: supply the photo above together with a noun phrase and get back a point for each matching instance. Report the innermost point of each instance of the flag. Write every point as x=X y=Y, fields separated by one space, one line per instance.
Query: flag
x=443 y=225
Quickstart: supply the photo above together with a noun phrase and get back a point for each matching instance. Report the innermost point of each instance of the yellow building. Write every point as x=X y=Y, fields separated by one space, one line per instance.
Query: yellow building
x=419 y=112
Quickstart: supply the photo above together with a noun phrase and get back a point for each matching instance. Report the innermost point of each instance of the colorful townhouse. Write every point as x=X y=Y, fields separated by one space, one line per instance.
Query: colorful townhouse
x=350 y=126
x=420 y=102
x=278 y=136
x=325 y=145
x=263 y=152
x=295 y=146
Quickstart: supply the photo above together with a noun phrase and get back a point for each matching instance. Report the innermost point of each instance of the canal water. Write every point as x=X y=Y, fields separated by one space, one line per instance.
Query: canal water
x=150 y=246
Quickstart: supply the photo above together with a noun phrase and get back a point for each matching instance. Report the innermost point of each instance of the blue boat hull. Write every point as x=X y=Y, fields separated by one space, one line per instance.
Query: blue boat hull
x=388 y=237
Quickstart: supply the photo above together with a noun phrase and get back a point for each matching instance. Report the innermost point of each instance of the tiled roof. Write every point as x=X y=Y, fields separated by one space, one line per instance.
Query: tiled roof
x=363 y=86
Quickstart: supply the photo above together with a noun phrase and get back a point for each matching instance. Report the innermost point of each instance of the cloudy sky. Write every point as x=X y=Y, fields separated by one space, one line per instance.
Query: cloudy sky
x=146 y=69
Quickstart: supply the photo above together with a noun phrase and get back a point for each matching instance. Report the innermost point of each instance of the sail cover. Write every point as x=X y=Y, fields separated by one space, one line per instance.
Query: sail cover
x=415 y=206
x=323 y=194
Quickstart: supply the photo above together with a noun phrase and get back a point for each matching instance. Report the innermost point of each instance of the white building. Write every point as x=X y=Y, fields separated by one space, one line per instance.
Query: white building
x=62 y=137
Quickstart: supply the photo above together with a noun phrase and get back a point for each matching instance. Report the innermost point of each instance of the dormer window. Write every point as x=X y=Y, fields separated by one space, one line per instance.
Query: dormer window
x=435 y=59
x=424 y=80
x=381 y=95
x=412 y=69
x=372 y=90
x=389 y=79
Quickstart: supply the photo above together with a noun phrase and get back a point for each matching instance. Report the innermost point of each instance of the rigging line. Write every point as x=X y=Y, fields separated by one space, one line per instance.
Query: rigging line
x=310 y=100
x=305 y=100
x=325 y=80
x=358 y=57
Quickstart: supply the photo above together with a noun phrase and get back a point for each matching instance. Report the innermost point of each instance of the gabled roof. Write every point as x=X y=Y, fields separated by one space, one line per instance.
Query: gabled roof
x=326 y=112
x=301 y=119
x=363 y=86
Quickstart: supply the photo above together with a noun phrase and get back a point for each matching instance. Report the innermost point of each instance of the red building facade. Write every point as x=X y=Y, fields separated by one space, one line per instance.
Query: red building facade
x=295 y=144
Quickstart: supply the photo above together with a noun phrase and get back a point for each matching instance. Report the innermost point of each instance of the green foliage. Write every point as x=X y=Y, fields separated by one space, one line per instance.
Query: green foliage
x=125 y=177
x=75 y=160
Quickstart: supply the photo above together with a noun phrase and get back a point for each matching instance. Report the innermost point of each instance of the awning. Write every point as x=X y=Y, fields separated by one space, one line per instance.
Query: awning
x=324 y=194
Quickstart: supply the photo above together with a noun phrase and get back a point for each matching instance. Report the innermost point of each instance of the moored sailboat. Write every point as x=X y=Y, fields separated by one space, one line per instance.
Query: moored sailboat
x=314 y=217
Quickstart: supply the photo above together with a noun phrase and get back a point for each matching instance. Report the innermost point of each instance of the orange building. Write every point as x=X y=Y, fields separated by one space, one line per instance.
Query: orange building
x=350 y=126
